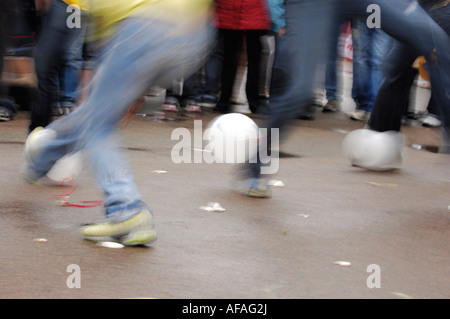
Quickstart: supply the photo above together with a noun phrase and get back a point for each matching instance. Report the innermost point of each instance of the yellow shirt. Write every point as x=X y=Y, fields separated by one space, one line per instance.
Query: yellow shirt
x=183 y=13
x=80 y=3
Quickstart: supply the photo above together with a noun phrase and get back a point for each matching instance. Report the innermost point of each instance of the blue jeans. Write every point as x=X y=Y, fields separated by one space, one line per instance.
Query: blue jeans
x=143 y=53
x=393 y=96
x=330 y=72
x=370 y=47
x=309 y=25
x=213 y=68
x=72 y=66
x=54 y=42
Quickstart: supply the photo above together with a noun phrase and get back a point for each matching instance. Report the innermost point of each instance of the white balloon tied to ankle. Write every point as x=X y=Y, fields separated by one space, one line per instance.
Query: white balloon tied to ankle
x=67 y=168
x=372 y=150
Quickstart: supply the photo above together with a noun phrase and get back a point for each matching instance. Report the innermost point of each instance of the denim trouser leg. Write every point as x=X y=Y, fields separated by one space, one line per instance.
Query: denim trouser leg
x=332 y=62
x=421 y=36
x=381 y=45
x=213 y=67
x=362 y=50
x=55 y=40
x=191 y=86
x=370 y=47
x=391 y=102
x=141 y=54
x=73 y=63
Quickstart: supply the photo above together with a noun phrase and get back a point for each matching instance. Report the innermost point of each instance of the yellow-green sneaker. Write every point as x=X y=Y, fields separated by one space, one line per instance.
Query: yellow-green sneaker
x=135 y=231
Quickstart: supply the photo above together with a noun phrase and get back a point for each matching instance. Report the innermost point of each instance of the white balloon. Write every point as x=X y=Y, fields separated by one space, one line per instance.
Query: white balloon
x=36 y=139
x=372 y=150
x=232 y=138
x=67 y=168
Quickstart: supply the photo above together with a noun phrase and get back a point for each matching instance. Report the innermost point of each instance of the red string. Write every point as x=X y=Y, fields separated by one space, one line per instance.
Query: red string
x=69 y=192
x=92 y=203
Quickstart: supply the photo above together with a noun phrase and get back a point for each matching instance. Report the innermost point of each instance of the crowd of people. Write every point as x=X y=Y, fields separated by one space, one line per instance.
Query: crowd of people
x=99 y=57
x=244 y=42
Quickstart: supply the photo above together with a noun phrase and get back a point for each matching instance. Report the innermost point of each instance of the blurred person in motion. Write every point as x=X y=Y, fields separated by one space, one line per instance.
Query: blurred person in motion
x=391 y=103
x=304 y=46
x=147 y=43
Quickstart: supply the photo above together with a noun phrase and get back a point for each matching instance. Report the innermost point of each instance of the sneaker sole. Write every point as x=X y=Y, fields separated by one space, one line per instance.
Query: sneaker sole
x=252 y=191
x=132 y=232
x=139 y=238
x=133 y=239
x=259 y=193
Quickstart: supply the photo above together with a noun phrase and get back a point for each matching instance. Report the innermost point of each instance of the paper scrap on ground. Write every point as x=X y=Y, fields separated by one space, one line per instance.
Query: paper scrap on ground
x=275 y=183
x=213 y=207
x=341 y=131
x=342 y=263
x=40 y=240
x=159 y=171
x=383 y=184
